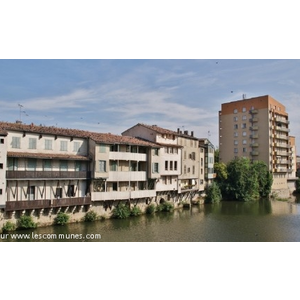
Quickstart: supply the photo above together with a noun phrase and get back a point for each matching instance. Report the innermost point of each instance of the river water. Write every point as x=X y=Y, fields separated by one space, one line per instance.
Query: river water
x=260 y=221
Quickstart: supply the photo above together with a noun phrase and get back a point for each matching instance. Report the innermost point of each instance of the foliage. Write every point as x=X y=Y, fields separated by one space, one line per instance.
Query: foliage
x=150 y=209
x=241 y=183
x=90 y=216
x=213 y=193
x=8 y=226
x=135 y=211
x=264 y=177
x=217 y=155
x=121 y=211
x=26 y=222
x=246 y=180
x=61 y=219
x=165 y=206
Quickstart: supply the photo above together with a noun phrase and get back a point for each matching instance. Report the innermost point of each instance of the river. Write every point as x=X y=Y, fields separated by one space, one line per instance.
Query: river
x=259 y=221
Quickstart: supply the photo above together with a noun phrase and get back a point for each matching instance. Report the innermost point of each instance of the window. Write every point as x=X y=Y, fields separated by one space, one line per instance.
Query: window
x=102 y=148
x=58 y=192
x=244 y=150
x=244 y=126
x=63 y=165
x=235 y=111
x=71 y=190
x=235 y=150
x=113 y=165
x=244 y=142
x=184 y=170
x=63 y=146
x=155 y=168
x=166 y=165
x=175 y=165
x=193 y=169
x=48 y=144
x=184 y=157
x=171 y=165
x=235 y=126
x=244 y=109
x=47 y=165
x=31 y=164
x=244 y=117
x=102 y=166
x=2 y=141
x=32 y=143
x=1 y=166
x=12 y=164
x=201 y=162
x=244 y=133
x=76 y=147
x=235 y=134
x=78 y=166
x=236 y=142
x=155 y=151
x=235 y=119
x=31 y=193
x=0 y=191
x=16 y=142
x=115 y=186
x=114 y=148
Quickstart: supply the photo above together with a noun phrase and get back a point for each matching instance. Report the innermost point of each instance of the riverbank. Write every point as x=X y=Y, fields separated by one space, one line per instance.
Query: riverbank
x=102 y=210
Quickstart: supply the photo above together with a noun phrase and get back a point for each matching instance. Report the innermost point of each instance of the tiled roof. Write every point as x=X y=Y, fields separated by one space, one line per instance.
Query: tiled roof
x=96 y=136
x=47 y=156
x=158 y=129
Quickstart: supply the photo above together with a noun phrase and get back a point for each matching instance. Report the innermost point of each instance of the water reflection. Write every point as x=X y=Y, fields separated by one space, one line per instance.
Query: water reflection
x=265 y=221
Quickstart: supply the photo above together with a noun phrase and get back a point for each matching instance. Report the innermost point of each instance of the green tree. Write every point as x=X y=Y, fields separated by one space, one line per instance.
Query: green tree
x=242 y=182
x=264 y=177
x=213 y=193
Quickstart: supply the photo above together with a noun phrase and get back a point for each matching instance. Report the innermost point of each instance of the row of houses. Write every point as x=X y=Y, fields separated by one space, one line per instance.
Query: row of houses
x=48 y=167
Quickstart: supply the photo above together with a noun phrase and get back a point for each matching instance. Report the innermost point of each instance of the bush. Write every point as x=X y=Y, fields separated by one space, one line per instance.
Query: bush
x=61 y=219
x=150 y=209
x=90 y=216
x=122 y=211
x=26 y=222
x=8 y=226
x=165 y=206
x=135 y=211
x=213 y=193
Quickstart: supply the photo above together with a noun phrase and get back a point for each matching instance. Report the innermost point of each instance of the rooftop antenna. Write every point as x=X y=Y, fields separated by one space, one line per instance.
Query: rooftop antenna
x=20 y=105
x=244 y=96
x=208 y=133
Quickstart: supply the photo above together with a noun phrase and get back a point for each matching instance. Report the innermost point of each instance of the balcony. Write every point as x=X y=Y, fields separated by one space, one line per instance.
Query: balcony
x=254 y=145
x=253 y=111
x=280 y=128
x=127 y=176
x=124 y=195
x=39 y=204
x=127 y=156
x=254 y=153
x=254 y=136
x=47 y=175
x=254 y=127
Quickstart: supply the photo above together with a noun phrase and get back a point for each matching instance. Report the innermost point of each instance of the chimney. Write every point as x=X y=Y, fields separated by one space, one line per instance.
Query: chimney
x=178 y=130
x=192 y=133
x=186 y=132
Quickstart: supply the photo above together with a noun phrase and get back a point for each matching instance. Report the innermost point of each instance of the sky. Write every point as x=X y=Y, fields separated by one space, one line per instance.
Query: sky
x=111 y=95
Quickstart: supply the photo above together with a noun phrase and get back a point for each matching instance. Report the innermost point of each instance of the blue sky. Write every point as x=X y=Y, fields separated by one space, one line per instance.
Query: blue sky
x=112 y=95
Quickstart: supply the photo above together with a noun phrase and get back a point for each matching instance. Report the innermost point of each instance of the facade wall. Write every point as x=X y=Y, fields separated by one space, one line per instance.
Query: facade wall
x=257 y=128
x=3 y=160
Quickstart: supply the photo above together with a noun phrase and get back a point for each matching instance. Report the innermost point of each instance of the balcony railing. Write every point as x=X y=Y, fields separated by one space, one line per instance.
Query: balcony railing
x=47 y=174
x=39 y=204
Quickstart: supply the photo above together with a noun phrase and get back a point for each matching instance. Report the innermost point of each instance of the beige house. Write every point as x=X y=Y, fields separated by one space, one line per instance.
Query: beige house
x=257 y=128
x=179 y=159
